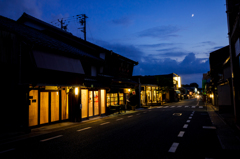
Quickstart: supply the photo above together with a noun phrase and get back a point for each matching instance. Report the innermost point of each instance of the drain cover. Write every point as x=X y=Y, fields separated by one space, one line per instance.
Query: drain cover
x=177 y=114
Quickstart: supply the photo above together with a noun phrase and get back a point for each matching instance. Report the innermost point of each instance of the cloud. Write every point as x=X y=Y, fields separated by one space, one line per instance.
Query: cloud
x=190 y=65
x=14 y=8
x=172 y=54
x=125 y=21
x=161 y=32
x=208 y=43
x=157 y=45
x=129 y=51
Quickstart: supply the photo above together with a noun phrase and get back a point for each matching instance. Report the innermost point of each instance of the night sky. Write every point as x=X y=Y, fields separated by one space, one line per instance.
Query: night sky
x=164 y=36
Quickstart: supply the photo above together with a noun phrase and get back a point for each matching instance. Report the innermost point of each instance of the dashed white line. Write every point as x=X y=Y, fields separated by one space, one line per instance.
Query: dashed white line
x=179 y=106
x=181 y=133
x=200 y=106
x=185 y=126
x=191 y=114
x=166 y=107
x=173 y=148
x=119 y=119
x=186 y=106
x=84 y=129
x=7 y=150
x=188 y=121
x=105 y=123
x=130 y=116
x=190 y=117
x=193 y=106
x=172 y=106
x=51 y=138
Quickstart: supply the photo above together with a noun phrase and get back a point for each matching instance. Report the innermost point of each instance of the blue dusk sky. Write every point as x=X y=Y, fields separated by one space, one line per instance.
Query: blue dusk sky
x=164 y=36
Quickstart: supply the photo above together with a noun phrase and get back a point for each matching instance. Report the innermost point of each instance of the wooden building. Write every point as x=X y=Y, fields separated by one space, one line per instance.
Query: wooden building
x=55 y=76
x=158 y=89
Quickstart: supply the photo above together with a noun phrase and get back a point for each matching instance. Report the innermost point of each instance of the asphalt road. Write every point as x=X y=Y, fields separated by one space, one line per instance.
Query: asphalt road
x=173 y=131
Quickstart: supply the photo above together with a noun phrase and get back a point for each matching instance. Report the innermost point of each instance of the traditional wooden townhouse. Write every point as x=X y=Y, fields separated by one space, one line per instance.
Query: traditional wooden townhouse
x=220 y=90
x=233 y=19
x=57 y=76
x=158 y=89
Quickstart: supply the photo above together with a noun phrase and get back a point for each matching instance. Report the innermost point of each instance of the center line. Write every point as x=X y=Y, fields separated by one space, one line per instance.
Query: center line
x=188 y=121
x=51 y=138
x=185 y=126
x=130 y=116
x=186 y=106
x=181 y=133
x=190 y=117
x=105 y=123
x=173 y=148
x=84 y=129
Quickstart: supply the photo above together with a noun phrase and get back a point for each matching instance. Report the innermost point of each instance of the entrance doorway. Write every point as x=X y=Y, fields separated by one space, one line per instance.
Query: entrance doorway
x=93 y=103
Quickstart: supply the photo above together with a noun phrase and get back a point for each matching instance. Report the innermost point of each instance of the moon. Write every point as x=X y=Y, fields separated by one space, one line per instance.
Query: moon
x=192 y=15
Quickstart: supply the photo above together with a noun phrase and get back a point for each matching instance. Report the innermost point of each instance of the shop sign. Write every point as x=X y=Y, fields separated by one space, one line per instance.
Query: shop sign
x=51 y=88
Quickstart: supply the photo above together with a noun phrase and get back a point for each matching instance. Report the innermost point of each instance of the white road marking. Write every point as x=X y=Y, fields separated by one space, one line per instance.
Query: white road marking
x=138 y=114
x=173 y=148
x=51 y=138
x=209 y=127
x=166 y=107
x=190 y=117
x=200 y=106
x=130 y=116
x=188 y=121
x=119 y=119
x=179 y=106
x=105 y=123
x=185 y=126
x=186 y=106
x=193 y=106
x=84 y=128
x=7 y=150
x=172 y=106
x=160 y=107
x=181 y=133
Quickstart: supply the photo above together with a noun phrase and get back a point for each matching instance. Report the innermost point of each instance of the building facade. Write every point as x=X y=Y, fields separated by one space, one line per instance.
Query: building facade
x=57 y=76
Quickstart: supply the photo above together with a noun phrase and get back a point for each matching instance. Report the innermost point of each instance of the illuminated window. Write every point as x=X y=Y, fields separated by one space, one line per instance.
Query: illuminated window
x=121 y=98
x=112 y=99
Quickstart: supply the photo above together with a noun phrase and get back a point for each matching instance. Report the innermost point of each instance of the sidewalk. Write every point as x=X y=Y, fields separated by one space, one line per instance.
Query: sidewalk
x=17 y=136
x=228 y=135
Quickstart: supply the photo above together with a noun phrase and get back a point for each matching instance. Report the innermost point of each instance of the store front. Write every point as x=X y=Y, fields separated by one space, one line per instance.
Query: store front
x=151 y=95
x=48 y=105
x=93 y=102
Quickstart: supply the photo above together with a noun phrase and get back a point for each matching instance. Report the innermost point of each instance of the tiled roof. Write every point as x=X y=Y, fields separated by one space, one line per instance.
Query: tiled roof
x=35 y=37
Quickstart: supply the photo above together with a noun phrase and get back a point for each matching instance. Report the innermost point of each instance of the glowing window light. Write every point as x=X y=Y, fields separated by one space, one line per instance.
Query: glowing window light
x=76 y=90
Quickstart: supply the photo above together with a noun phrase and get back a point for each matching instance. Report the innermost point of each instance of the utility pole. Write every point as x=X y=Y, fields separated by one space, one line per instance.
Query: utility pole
x=82 y=21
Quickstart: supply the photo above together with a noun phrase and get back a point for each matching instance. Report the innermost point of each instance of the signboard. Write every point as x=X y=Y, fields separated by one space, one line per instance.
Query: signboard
x=51 y=88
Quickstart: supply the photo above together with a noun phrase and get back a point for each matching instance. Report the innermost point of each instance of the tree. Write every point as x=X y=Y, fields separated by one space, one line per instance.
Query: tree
x=194 y=85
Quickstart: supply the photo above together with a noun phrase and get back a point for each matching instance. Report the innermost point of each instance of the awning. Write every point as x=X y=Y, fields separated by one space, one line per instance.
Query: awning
x=57 y=62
